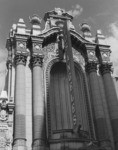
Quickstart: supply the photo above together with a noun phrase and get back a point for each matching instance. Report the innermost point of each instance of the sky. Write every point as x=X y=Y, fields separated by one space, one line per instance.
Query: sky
x=99 y=14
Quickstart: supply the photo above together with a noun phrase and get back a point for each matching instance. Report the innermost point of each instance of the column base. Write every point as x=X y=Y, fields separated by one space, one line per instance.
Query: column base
x=106 y=145
x=19 y=144
x=19 y=148
x=116 y=146
x=38 y=144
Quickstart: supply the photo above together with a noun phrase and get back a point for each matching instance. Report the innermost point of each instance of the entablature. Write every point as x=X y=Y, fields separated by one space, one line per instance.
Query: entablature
x=35 y=39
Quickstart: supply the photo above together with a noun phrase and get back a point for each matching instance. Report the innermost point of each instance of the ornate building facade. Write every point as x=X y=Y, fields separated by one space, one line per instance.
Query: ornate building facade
x=46 y=114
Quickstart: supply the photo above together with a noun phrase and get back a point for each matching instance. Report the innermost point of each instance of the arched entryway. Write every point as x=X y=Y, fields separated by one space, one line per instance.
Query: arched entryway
x=59 y=108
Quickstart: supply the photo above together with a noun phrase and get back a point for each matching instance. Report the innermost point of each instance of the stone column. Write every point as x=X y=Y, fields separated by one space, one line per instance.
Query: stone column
x=111 y=99
x=19 y=142
x=99 y=116
x=38 y=103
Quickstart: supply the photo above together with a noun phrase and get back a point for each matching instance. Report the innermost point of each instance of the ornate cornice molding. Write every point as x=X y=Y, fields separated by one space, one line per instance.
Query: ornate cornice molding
x=80 y=37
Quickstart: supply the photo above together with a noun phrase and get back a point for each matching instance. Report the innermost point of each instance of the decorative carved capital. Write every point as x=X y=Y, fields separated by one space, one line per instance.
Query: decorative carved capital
x=105 y=68
x=36 y=60
x=91 y=67
x=20 y=59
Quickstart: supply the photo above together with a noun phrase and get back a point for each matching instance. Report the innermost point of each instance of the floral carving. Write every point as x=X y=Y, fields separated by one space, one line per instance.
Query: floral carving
x=105 y=56
x=20 y=59
x=36 y=60
x=21 y=46
x=91 y=55
x=37 y=47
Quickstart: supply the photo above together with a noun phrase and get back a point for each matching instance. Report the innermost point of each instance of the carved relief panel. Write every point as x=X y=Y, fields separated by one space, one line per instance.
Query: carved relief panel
x=6 y=124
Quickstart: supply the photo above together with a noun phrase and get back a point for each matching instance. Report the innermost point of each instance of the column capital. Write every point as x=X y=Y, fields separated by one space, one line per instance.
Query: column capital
x=105 y=68
x=91 y=67
x=36 y=60
x=20 y=58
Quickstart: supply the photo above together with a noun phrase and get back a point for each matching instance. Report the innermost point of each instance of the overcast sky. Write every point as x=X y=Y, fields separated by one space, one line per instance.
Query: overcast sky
x=99 y=14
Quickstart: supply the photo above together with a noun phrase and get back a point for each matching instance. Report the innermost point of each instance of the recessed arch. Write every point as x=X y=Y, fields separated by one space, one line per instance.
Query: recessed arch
x=79 y=71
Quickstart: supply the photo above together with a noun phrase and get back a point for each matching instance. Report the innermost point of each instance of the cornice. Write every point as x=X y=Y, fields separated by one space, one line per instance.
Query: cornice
x=21 y=37
x=49 y=32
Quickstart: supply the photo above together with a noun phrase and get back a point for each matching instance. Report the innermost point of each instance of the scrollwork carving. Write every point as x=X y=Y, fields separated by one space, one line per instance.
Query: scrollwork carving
x=91 y=67
x=36 y=60
x=105 y=68
x=5 y=137
x=20 y=59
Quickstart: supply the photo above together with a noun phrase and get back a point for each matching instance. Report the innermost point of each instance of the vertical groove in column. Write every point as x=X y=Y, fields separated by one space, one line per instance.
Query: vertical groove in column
x=38 y=108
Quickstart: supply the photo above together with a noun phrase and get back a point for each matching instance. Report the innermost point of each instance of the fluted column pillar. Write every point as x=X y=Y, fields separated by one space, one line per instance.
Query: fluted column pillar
x=100 y=121
x=19 y=142
x=111 y=99
x=38 y=103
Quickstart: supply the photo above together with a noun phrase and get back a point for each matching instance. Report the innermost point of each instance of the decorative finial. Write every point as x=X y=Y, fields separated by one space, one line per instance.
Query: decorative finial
x=59 y=11
x=35 y=20
x=100 y=38
x=21 y=20
x=85 y=27
x=14 y=26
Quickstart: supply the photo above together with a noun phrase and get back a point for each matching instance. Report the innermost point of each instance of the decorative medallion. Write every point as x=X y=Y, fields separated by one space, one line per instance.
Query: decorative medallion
x=105 y=56
x=37 y=47
x=91 y=55
x=21 y=45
